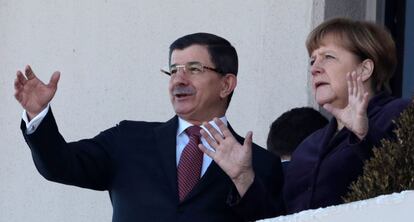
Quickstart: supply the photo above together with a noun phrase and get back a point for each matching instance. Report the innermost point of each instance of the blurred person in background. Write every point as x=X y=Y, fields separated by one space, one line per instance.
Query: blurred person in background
x=290 y=129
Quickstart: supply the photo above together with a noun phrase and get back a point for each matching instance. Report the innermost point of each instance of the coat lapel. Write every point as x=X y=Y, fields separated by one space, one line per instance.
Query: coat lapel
x=165 y=139
x=327 y=139
x=213 y=173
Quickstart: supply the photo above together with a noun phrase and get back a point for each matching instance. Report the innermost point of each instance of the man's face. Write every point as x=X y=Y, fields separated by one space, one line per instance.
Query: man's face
x=196 y=96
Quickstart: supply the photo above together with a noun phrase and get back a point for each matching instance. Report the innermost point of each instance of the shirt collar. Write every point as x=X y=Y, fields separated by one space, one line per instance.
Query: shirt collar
x=183 y=125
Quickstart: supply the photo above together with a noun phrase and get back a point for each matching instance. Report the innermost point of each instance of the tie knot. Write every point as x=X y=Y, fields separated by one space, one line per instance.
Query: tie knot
x=193 y=131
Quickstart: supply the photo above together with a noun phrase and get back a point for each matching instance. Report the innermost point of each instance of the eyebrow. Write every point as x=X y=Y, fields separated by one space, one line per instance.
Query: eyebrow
x=190 y=62
x=324 y=52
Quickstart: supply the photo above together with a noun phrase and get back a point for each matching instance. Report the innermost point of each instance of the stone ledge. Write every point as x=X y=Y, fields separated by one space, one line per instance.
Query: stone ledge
x=393 y=207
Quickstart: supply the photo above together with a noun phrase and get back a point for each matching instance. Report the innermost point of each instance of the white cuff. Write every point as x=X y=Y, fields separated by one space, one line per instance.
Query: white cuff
x=32 y=125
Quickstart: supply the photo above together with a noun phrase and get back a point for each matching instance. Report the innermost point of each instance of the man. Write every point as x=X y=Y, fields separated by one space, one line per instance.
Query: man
x=152 y=170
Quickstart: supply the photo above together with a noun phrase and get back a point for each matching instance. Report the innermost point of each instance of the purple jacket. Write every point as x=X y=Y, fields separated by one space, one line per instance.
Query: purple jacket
x=324 y=164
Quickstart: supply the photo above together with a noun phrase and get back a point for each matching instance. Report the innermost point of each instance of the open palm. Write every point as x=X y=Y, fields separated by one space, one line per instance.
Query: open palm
x=354 y=115
x=32 y=93
x=232 y=157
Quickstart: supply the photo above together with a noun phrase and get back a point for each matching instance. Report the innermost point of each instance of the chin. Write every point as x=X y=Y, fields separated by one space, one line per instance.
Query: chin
x=333 y=103
x=323 y=98
x=323 y=101
x=183 y=111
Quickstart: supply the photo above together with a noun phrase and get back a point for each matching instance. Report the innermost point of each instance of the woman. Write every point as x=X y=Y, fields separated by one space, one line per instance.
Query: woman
x=351 y=63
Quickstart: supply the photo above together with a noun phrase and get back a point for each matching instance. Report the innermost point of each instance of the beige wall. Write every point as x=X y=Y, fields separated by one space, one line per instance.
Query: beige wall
x=109 y=53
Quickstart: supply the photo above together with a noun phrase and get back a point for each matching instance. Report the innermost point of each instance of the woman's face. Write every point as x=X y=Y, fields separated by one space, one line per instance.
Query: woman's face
x=329 y=65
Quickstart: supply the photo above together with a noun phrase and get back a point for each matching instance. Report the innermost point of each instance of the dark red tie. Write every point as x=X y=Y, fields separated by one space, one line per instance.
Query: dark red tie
x=191 y=160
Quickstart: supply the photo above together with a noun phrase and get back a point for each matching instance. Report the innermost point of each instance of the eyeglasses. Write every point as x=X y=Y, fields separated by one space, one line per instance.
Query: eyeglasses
x=191 y=67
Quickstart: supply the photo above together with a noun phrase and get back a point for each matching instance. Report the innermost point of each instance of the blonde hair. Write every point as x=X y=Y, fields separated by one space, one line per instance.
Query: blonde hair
x=364 y=39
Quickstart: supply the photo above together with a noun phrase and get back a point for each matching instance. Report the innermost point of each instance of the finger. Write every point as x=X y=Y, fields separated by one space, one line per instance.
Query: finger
x=209 y=139
x=29 y=73
x=17 y=84
x=209 y=153
x=354 y=83
x=214 y=133
x=223 y=128
x=20 y=77
x=349 y=83
x=54 y=79
x=17 y=94
x=248 y=140
x=18 y=90
x=361 y=89
x=365 y=100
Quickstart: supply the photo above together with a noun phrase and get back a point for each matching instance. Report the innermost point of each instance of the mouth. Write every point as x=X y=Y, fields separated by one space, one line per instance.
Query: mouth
x=318 y=84
x=182 y=95
x=181 y=92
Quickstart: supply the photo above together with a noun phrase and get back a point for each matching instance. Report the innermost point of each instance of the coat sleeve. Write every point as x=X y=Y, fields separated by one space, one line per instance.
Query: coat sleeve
x=264 y=198
x=381 y=126
x=85 y=163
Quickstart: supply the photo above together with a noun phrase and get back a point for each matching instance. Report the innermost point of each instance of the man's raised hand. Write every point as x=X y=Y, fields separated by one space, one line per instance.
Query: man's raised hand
x=232 y=157
x=32 y=93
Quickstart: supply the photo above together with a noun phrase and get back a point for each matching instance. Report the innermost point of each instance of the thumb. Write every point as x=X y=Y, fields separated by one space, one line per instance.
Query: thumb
x=249 y=139
x=54 y=80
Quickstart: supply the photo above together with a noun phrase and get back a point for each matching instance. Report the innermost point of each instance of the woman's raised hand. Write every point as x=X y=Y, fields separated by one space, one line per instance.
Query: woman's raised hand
x=354 y=115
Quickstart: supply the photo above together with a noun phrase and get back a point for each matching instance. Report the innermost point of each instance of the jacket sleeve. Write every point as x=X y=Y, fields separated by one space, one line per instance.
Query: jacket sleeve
x=264 y=197
x=381 y=126
x=85 y=163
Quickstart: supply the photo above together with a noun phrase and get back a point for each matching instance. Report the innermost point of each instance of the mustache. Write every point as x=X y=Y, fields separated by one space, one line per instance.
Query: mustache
x=183 y=90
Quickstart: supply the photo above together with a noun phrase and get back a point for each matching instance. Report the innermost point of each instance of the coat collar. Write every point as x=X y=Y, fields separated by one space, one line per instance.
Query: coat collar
x=213 y=173
x=374 y=106
x=165 y=139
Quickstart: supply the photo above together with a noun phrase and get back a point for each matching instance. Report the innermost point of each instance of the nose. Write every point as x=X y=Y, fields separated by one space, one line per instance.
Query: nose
x=316 y=68
x=180 y=76
x=182 y=68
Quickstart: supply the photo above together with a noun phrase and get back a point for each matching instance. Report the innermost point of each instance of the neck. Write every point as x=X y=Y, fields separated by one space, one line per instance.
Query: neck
x=199 y=122
x=194 y=122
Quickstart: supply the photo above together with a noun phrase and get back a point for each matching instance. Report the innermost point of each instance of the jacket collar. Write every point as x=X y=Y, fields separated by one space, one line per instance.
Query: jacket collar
x=165 y=139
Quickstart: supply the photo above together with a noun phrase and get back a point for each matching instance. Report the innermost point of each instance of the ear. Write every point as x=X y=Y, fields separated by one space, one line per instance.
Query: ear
x=229 y=83
x=366 y=69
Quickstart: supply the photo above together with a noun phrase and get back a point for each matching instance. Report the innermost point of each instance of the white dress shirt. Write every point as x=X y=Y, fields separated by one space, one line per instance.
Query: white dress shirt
x=182 y=140
x=32 y=125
